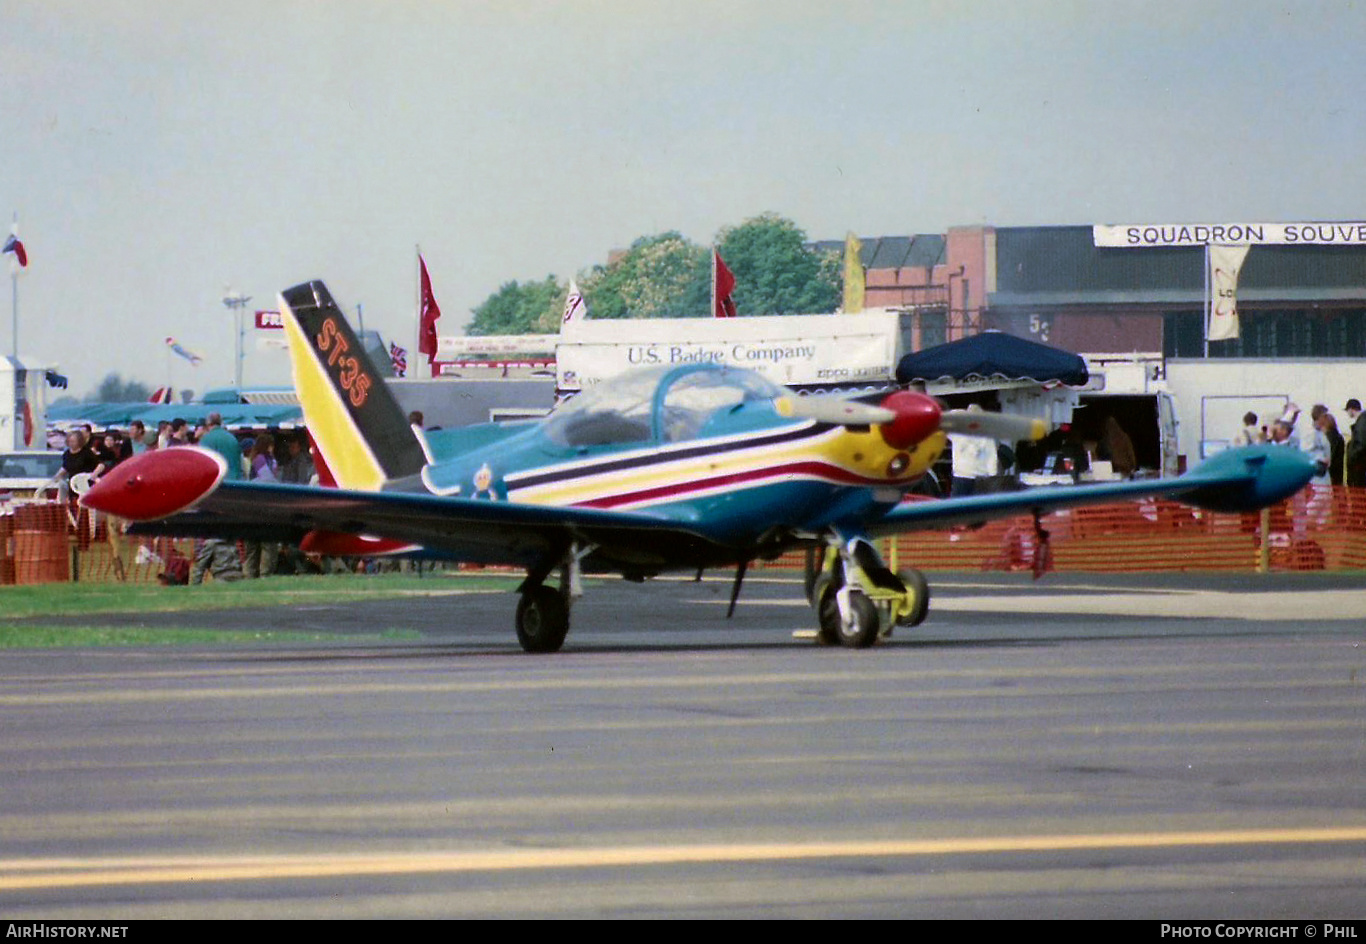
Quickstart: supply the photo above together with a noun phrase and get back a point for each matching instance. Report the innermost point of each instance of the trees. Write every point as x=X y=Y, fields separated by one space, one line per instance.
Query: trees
x=521 y=308
x=663 y=276
x=114 y=389
x=667 y=276
x=775 y=272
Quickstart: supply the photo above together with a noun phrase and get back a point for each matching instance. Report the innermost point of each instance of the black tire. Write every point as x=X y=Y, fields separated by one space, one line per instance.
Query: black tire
x=917 y=584
x=542 y=620
x=865 y=626
x=827 y=611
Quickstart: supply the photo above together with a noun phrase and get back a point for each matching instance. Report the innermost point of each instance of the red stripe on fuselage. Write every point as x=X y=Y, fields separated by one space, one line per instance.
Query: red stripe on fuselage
x=809 y=469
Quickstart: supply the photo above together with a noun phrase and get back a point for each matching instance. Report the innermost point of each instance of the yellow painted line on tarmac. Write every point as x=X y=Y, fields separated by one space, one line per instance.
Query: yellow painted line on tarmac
x=1166 y=604
x=24 y=875
x=31 y=696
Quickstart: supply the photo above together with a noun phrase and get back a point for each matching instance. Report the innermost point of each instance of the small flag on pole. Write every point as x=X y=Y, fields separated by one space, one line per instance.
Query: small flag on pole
x=575 y=308
x=13 y=245
x=722 y=284
x=399 y=356
x=427 y=316
x=189 y=355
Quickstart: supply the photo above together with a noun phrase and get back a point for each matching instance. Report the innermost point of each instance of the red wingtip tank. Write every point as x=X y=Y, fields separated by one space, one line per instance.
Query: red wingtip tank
x=157 y=484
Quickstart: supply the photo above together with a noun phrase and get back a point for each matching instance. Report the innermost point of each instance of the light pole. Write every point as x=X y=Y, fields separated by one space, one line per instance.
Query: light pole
x=236 y=301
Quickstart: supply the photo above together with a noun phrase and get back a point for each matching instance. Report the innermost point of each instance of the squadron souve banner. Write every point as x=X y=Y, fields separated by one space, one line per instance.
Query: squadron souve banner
x=1140 y=235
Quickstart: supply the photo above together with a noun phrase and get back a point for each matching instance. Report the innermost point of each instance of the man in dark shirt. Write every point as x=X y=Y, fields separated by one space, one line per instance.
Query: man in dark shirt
x=1356 y=449
x=79 y=457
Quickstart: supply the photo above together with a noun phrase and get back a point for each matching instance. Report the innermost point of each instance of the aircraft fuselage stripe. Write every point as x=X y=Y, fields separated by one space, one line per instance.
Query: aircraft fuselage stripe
x=649 y=457
x=809 y=470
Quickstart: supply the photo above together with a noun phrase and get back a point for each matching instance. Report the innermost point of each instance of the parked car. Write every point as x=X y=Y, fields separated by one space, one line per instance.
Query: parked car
x=23 y=473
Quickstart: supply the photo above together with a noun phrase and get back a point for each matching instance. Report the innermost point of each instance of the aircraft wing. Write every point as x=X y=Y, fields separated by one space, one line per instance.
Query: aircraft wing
x=1237 y=480
x=183 y=493
x=488 y=531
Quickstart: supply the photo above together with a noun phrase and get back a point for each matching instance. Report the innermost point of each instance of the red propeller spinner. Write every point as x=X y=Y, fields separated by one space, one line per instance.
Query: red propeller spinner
x=917 y=417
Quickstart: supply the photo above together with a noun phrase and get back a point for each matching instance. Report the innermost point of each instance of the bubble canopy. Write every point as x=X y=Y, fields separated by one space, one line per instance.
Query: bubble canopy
x=656 y=404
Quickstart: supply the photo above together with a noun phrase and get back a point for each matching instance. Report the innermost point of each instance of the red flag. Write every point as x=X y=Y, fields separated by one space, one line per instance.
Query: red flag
x=722 y=284
x=426 y=335
x=14 y=246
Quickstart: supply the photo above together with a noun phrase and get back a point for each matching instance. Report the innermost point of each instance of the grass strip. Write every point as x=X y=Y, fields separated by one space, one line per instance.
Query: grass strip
x=73 y=599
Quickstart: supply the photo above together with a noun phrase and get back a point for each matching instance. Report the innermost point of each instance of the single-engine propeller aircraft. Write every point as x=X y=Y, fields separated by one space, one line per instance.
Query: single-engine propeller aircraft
x=664 y=469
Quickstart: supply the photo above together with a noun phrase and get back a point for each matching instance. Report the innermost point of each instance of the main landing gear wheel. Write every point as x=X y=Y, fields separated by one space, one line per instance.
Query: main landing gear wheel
x=827 y=611
x=542 y=620
x=919 y=589
x=859 y=631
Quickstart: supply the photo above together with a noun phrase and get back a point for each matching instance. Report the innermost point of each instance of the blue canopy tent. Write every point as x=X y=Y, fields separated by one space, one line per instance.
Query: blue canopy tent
x=993 y=355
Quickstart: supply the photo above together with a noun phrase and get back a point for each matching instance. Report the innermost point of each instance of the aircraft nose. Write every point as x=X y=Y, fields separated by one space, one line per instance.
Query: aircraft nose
x=917 y=417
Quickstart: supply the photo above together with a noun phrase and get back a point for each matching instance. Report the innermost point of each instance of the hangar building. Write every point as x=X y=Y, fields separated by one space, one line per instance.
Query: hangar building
x=1136 y=309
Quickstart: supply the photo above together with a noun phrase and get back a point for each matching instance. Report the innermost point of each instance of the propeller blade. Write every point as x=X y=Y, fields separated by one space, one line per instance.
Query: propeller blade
x=839 y=411
x=1004 y=426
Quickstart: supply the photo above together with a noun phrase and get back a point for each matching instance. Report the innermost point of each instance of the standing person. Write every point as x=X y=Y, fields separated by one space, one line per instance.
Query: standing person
x=261 y=467
x=1337 y=447
x=1249 y=435
x=77 y=458
x=974 y=462
x=180 y=433
x=1280 y=434
x=116 y=450
x=1318 y=447
x=1356 y=447
x=297 y=469
x=137 y=436
x=217 y=556
x=1120 y=448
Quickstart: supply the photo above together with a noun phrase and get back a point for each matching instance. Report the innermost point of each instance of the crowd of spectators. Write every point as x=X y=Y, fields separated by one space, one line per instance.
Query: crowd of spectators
x=266 y=458
x=1339 y=460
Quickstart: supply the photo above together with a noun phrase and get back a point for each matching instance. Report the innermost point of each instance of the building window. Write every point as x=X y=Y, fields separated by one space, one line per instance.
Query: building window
x=934 y=328
x=1271 y=333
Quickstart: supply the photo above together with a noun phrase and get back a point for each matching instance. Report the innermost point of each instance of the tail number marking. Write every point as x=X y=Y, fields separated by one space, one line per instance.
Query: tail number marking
x=352 y=377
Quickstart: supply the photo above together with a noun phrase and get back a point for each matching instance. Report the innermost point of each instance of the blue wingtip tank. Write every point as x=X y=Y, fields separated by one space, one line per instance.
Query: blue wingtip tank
x=1274 y=473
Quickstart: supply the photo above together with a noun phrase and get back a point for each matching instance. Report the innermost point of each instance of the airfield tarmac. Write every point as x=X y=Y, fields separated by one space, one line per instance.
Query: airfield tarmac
x=1159 y=747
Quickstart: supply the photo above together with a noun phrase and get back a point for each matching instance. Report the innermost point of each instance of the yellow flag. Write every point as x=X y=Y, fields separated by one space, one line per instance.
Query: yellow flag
x=853 y=275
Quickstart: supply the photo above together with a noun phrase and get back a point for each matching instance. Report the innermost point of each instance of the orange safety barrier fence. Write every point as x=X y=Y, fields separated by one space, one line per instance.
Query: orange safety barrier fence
x=51 y=542
x=1322 y=528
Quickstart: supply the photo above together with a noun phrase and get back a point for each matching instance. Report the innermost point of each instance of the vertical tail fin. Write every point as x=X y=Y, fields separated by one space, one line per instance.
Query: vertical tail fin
x=353 y=417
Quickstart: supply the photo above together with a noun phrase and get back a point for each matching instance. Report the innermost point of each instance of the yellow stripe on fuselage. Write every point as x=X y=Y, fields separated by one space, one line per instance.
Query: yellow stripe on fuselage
x=858 y=453
x=339 y=440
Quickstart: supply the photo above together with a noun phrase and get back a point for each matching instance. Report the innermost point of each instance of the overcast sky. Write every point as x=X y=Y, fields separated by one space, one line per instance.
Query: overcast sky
x=157 y=151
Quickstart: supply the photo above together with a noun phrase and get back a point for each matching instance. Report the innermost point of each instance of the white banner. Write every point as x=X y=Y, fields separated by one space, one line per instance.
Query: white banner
x=454 y=348
x=1224 y=264
x=1143 y=235
x=787 y=349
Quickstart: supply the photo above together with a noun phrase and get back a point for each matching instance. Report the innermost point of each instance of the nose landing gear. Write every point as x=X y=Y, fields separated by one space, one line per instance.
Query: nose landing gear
x=858 y=600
